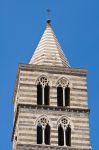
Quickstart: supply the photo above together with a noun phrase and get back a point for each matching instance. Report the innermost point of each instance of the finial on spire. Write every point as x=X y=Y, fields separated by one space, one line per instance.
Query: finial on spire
x=49 y=12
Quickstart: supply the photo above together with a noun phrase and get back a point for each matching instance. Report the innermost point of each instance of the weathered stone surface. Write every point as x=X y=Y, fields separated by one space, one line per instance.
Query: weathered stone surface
x=49 y=51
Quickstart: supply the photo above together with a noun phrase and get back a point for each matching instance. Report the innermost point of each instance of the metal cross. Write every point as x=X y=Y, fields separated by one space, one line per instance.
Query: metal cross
x=49 y=12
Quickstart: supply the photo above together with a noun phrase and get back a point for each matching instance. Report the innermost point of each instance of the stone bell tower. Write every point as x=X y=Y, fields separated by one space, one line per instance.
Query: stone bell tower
x=50 y=101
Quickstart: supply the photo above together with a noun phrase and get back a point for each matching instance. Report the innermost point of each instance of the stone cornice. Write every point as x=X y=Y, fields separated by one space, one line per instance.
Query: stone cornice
x=53 y=69
x=47 y=147
x=55 y=108
x=68 y=109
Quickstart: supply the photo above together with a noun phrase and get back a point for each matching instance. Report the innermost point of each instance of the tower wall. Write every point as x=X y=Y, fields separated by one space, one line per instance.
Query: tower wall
x=27 y=111
x=27 y=127
x=27 y=89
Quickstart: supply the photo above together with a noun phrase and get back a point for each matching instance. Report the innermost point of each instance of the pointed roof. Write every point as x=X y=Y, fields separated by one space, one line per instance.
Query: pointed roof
x=49 y=51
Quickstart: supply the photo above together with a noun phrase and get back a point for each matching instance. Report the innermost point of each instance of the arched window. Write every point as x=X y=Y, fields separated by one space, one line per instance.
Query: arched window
x=43 y=91
x=60 y=136
x=59 y=96
x=39 y=94
x=39 y=134
x=46 y=95
x=63 y=92
x=64 y=133
x=43 y=132
x=47 y=134
x=68 y=136
x=67 y=96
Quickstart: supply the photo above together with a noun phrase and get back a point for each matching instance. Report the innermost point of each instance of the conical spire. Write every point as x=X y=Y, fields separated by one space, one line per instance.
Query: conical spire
x=49 y=51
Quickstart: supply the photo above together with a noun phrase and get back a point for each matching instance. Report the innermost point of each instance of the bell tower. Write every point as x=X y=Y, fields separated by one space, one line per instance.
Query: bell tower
x=50 y=101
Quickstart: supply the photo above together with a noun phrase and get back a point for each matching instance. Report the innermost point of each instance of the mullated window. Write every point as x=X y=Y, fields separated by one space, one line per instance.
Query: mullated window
x=68 y=136
x=59 y=96
x=63 y=92
x=47 y=134
x=39 y=94
x=43 y=91
x=43 y=132
x=64 y=133
x=67 y=96
x=60 y=136
x=39 y=134
x=46 y=95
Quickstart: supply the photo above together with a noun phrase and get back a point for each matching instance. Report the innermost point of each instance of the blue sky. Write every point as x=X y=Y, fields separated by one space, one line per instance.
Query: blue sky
x=22 y=22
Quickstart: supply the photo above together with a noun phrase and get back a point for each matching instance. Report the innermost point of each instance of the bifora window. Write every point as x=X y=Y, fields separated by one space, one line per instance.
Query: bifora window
x=64 y=133
x=63 y=92
x=43 y=131
x=43 y=91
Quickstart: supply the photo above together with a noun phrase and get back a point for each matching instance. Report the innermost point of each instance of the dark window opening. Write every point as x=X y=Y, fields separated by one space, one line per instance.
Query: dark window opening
x=67 y=96
x=68 y=136
x=15 y=138
x=39 y=134
x=59 y=96
x=46 y=95
x=47 y=134
x=60 y=136
x=39 y=94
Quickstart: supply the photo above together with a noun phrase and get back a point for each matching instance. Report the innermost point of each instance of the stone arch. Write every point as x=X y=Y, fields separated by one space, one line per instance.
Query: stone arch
x=43 y=79
x=43 y=90
x=63 y=92
x=63 y=82
x=44 y=116
x=69 y=122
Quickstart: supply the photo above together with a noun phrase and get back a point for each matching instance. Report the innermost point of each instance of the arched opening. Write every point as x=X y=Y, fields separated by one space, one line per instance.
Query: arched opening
x=39 y=134
x=47 y=134
x=39 y=94
x=60 y=136
x=68 y=136
x=43 y=91
x=67 y=96
x=59 y=96
x=46 y=95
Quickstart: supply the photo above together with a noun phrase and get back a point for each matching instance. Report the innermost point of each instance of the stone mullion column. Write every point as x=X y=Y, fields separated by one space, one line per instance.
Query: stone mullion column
x=43 y=86
x=43 y=135
x=63 y=96
x=64 y=136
